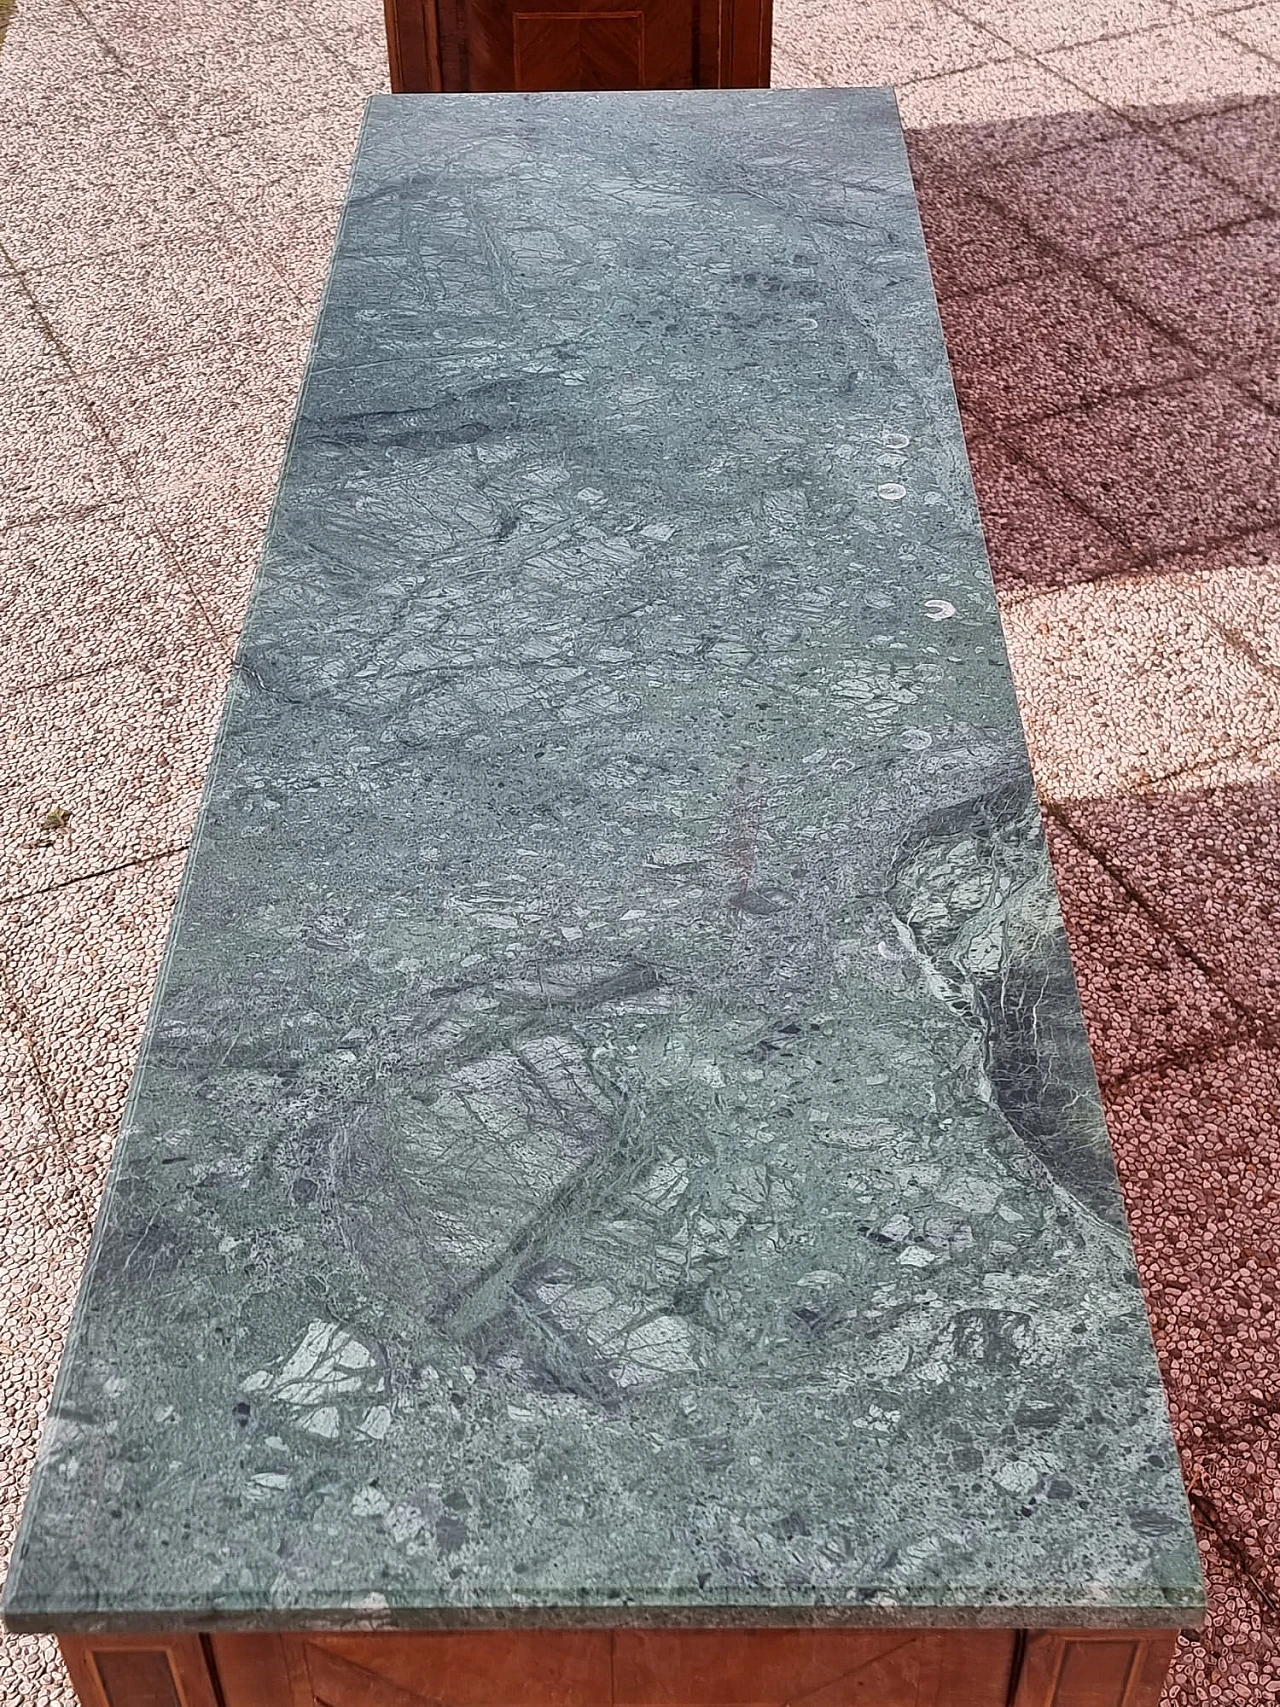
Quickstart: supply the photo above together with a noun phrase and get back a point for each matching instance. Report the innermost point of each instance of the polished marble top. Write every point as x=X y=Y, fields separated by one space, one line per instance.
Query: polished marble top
x=615 y=1139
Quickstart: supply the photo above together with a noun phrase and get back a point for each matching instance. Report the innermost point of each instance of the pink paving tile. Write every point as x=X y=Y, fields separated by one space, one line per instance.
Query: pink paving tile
x=1242 y=146
x=1159 y=72
x=298 y=243
x=210 y=422
x=103 y=176
x=1144 y=999
x=971 y=246
x=54 y=458
x=27 y=353
x=883 y=41
x=1055 y=343
x=789 y=71
x=1235 y=1660
x=1256 y=26
x=1133 y=684
x=1114 y=194
x=237 y=85
x=1000 y=112
x=363 y=50
x=216 y=543
x=1037 y=26
x=130 y=29
x=1262 y=380
x=52 y=67
x=173 y=294
x=122 y=754
x=321 y=17
x=86 y=593
x=1234 y=1475
x=1211 y=9
x=1197 y=1153
x=84 y=961
x=1206 y=863
x=1036 y=538
x=279 y=171
x=1217 y=292
x=27 y=1113
x=1171 y=471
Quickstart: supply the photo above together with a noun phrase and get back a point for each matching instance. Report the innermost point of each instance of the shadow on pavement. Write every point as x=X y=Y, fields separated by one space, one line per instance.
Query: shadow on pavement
x=1110 y=293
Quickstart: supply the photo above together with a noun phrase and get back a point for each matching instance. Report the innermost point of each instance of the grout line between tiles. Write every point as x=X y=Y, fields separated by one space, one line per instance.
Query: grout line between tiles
x=1217 y=977
x=12 y=900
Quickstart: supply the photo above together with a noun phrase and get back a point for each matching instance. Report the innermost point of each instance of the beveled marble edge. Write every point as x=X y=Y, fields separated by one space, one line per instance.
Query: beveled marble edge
x=1189 y=1615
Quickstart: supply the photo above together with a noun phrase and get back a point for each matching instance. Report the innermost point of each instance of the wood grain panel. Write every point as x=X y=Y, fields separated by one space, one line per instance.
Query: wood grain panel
x=579 y=50
x=1094 y=1668
x=816 y=1668
x=493 y=45
x=139 y=1671
x=484 y=1668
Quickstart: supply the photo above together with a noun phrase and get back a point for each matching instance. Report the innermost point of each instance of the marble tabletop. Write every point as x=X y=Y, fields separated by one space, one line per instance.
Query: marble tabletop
x=615 y=1139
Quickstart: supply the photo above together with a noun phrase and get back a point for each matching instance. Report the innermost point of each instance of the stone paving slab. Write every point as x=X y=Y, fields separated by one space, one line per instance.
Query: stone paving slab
x=1139 y=446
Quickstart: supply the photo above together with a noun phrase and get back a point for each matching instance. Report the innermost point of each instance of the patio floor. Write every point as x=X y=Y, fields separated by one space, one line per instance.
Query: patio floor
x=1100 y=181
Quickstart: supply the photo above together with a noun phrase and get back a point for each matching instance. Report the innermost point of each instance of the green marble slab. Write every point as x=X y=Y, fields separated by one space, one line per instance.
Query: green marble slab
x=615 y=1139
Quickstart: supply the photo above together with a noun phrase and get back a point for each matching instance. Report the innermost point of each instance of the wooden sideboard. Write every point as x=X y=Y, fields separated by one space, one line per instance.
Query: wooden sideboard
x=478 y=46
x=627 y=1668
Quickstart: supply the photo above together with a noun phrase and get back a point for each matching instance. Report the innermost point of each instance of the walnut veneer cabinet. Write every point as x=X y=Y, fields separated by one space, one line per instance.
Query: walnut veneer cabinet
x=486 y=46
x=614 y=1208
x=627 y=1668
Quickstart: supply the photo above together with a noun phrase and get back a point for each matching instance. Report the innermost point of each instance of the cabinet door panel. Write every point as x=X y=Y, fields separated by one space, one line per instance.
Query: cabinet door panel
x=1113 y=1668
x=579 y=44
x=486 y=46
x=139 y=1671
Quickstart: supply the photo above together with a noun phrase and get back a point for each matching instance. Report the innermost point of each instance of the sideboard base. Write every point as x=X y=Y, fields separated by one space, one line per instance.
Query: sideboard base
x=626 y=1668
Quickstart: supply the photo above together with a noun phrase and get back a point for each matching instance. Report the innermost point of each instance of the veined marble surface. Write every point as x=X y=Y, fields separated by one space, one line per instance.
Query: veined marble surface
x=616 y=1139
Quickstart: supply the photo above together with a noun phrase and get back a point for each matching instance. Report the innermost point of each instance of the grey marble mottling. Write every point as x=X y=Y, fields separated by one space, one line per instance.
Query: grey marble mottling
x=616 y=1139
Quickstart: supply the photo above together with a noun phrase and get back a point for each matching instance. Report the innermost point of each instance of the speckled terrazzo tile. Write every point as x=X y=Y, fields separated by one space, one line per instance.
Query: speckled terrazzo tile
x=1170 y=472
x=1114 y=195
x=1241 y=146
x=134 y=34
x=89 y=592
x=971 y=247
x=122 y=753
x=104 y=178
x=82 y=961
x=214 y=539
x=27 y=1117
x=1158 y=73
x=1236 y=1658
x=884 y=41
x=278 y=171
x=54 y=458
x=28 y=356
x=654 y=831
x=1196 y=1144
x=204 y=423
x=1216 y=291
x=1001 y=112
x=236 y=87
x=52 y=67
x=1207 y=862
x=177 y=293
x=1144 y=998
x=44 y=1233
x=1257 y=27
x=1035 y=26
x=1037 y=539
x=1127 y=685
x=1261 y=379
x=297 y=242
x=1053 y=343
